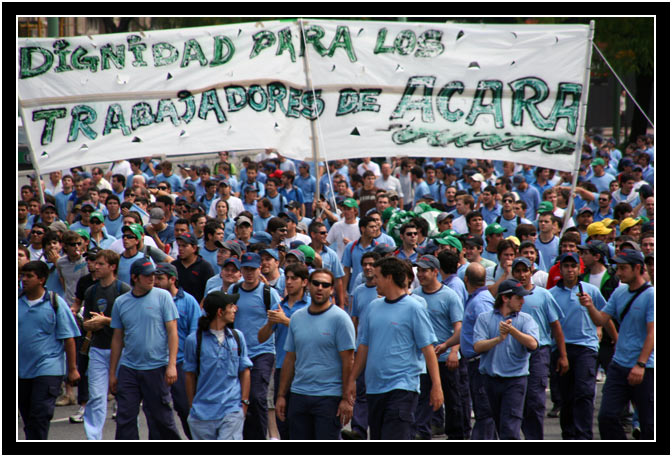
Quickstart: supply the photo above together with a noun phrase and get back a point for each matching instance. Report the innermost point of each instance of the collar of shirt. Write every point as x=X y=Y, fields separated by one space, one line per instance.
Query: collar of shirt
x=476 y=292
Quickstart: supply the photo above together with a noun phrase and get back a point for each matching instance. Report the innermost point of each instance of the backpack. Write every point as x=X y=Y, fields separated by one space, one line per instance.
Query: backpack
x=499 y=219
x=52 y=300
x=199 y=339
x=267 y=295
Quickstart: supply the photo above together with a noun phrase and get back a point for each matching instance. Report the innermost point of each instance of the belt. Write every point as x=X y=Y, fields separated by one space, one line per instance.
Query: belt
x=473 y=359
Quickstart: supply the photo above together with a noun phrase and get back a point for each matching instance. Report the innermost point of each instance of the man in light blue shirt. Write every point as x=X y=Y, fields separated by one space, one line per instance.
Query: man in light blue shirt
x=394 y=335
x=505 y=336
x=630 y=374
x=145 y=326
x=320 y=344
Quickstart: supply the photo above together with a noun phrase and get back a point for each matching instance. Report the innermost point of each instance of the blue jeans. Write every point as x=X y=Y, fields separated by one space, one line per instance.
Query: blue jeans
x=230 y=427
x=616 y=394
x=313 y=418
x=577 y=391
x=99 y=379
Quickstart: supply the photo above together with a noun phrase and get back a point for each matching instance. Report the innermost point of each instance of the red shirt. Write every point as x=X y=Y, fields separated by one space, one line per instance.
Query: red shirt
x=554 y=274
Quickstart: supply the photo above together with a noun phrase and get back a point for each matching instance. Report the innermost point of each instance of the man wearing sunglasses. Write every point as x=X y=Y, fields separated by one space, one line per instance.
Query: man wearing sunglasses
x=320 y=344
x=99 y=237
x=72 y=265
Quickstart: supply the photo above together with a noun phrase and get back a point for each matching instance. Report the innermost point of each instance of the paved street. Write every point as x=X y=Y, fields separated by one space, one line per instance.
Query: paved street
x=62 y=429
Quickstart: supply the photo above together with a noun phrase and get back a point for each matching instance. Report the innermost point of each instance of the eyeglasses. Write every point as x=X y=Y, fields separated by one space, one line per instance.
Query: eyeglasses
x=163 y=188
x=133 y=195
x=507 y=201
x=411 y=234
x=39 y=233
x=323 y=233
x=75 y=244
x=318 y=284
x=603 y=199
x=129 y=237
x=95 y=221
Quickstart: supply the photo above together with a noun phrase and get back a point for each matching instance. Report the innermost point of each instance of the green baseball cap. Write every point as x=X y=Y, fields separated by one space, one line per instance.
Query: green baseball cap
x=83 y=233
x=308 y=252
x=545 y=207
x=98 y=215
x=598 y=161
x=449 y=232
x=136 y=229
x=449 y=241
x=494 y=228
x=350 y=203
x=387 y=213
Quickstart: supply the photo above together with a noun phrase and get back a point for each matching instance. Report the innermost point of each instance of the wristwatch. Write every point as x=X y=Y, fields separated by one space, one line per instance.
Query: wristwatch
x=641 y=364
x=245 y=402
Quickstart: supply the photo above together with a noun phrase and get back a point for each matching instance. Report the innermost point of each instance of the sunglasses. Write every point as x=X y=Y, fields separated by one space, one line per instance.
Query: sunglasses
x=603 y=199
x=75 y=244
x=163 y=188
x=411 y=234
x=39 y=233
x=318 y=284
x=323 y=233
x=507 y=201
x=129 y=237
x=133 y=195
x=95 y=221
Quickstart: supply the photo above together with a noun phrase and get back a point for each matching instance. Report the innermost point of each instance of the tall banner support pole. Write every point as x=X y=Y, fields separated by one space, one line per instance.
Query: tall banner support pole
x=33 y=159
x=582 y=125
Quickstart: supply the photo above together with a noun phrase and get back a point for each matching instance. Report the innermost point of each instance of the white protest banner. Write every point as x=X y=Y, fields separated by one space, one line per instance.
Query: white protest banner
x=381 y=89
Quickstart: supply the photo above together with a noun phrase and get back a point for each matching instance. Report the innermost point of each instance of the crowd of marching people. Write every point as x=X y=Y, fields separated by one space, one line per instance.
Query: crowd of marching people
x=408 y=298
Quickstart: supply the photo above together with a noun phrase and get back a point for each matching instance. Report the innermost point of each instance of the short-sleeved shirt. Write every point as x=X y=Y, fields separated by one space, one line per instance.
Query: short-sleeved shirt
x=143 y=320
x=547 y=252
x=281 y=330
x=509 y=358
x=362 y=296
x=544 y=309
x=40 y=336
x=251 y=316
x=124 y=268
x=632 y=330
x=577 y=325
x=395 y=333
x=457 y=285
x=71 y=272
x=318 y=339
x=218 y=392
x=189 y=311
x=99 y=299
x=445 y=309
x=193 y=278
x=331 y=262
x=478 y=302
x=352 y=258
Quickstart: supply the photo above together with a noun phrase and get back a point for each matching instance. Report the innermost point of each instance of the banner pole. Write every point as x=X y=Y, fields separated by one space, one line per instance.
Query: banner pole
x=33 y=159
x=582 y=126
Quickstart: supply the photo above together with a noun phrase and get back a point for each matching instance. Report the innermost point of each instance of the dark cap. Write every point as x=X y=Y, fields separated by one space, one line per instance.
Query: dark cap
x=524 y=260
x=165 y=268
x=251 y=259
x=629 y=256
x=472 y=240
x=512 y=286
x=598 y=247
x=234 y=261
x=384 y=248
x=261 y=237
x=142 y=267
x=188 y=238
x=573 y=256
x=47 y=206
x=291 y=216
x=218 y=299
x=293 y=204
x=428 y=261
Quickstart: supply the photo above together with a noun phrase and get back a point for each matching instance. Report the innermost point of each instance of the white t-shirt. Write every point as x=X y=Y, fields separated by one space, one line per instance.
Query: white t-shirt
x=596 y=280
x=373 y=166
x=299 y=236
x=121 y=168
x=391 y=183
x=118 y=246
x=235 y=207
x=339 y=231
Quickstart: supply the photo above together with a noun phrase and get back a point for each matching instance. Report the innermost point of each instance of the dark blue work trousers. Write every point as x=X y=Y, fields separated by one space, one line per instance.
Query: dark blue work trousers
x=150 y=388
x=465 y=397
x=37 y=399
x=360 y=413
x=283 y=426
x=180 y=402
x=616 y=394
x=577 y=392
x=392 y=414
x=484 y=424
x=313 y=417
x=256 y=421
x=507 y=399
x=535 y=398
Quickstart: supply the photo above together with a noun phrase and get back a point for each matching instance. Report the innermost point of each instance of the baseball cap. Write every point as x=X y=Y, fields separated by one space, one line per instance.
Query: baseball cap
x=388 y=212
x=494 y=228
x=234 y=261
x=449 y=241
x=569 y=256
x=518 y=179
x=586 y=156
x=47 y=206
x=156 y=215
x=350 y=203
x=165 y=268
x=135 y=229
x=251 y=259
x=298 y=254
x=243 y=220
x=85 y=204
x=443 y=216
x=295 y=244
x=58 y=226
x=231 y=246
x=189 y=186
x=472 y=240
x=152 y=184
x=218 y=299
x=629 y=256
x=545 y=207
x=293 y=204
x=598 y=228
x=629 y=222
x=428 y=261
x=478 y=177
x=308 y=252
x=304 y=165
x=249 y=189
x=450 y=232
x=291 y=216
x=607 y=222
x=261 y=237
x=512 y=286
x=514 y=239
x=597 y=162
x=142 y=267
x=91 y=252
x=596 y=246
x=188 y=238
x=272 y=252
x=524 y=260
x=98 y=215
x=384 y=248
x=585 y=209
x=452 y=171
x=627 y=162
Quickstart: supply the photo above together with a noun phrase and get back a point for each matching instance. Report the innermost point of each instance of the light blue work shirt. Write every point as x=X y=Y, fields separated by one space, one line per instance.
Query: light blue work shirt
x=544 y=309
x=281 y=330
x=189 y=311
x=547 y=252
x=361 y=298
x=124 y=268
x=317 y=339
x=421 y=189
x=143 y=320
x=251 y=316
x=395 y=333
x=113 y=226
x=632 y=330
x=210 y=257
x=331 y=262
x=445 y=308
x=577 y=325
x=489 y=216
x=509 y=358
x=352 y=257
x=457 y=285
x=218 y=392
x=478 y=302
x=40 y=336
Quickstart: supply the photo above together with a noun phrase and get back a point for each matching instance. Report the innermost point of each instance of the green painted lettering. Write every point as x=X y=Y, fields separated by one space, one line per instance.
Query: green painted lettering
x=60 y=47
x=294 y=102
x=423 y=102
x=285 y=43
x=82 y=118
x=368 y=100
x=276 y=94
x=108 y=54
x=189 y=108
x=236 y=98
x=193 y=51
x=313 y=105
x=80 y=61
x=115 y=120
x=443 y=100
x=405 y=41
x=49 y=116
x=343 y=40
x=494 y=108
x=429 y=44
x=569 y=112
x=137 y=48
x=348 y=100
x=380 y=43
x=255 y=92
x=141 y=115
x=224 y=51
x=160 y=58
x=164 y=109
x=26 y=59
x=521 y=103
x=313 y=35
x=210 y=102
x=262 y=40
